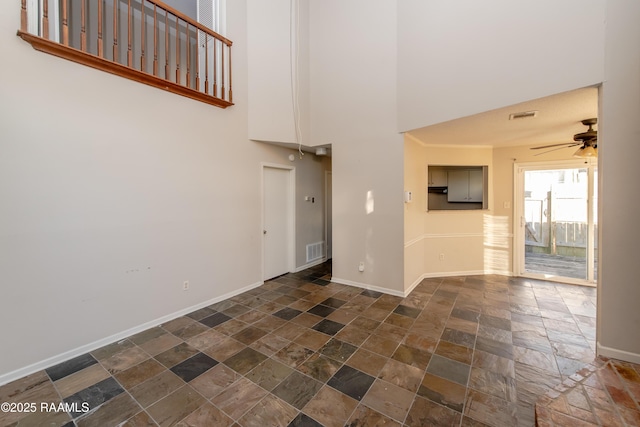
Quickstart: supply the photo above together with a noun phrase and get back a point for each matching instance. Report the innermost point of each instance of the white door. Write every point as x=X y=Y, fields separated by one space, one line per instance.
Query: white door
x=277 y=221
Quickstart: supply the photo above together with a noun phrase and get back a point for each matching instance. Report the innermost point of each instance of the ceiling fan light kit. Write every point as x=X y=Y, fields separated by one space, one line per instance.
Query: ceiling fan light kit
x=587 y=151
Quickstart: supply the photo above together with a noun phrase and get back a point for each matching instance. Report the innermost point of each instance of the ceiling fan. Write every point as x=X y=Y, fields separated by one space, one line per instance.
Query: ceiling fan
x=588 y=142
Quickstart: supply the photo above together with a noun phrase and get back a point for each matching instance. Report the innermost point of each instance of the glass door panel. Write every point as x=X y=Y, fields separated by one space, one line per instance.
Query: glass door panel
x=556 y=223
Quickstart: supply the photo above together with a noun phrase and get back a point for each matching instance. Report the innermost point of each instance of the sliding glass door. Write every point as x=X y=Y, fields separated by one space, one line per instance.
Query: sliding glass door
x=556 y=222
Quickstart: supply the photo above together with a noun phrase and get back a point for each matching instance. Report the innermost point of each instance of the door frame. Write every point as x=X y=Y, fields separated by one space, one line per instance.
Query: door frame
x=328 y=219
x=518 y=217
x=291 y=214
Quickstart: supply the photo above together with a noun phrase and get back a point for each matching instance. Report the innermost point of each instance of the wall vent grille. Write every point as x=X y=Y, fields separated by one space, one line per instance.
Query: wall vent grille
x=315 y=251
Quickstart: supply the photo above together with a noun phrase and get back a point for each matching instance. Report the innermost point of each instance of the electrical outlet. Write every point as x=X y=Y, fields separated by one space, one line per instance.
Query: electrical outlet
x=361 y=266
x=441 y=257
x=185 y=285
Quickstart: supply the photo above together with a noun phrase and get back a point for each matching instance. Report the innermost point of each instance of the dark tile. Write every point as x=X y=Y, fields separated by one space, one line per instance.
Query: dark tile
x=297 y=389
x=372 y=294
x=201 y=314
x=333 y=302
x=352 y=382
x=449 y=369
x=94 y=396
x=70 y=366
x=407 y=311
x=245 y=360
x=194 y=366
x=321 y=310
x=215 y=319
x=338 y=350
x=328 y=327
x=303 y=420
x=287 y=313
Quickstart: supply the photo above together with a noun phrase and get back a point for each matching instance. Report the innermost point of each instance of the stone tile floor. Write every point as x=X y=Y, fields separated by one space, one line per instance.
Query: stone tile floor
x=302 y=351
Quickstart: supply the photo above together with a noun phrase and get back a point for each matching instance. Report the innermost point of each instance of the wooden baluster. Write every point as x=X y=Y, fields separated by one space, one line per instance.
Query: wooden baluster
x=222 y=70
x=166 y=45
x=188 y=56
x=177 y=50
x=129 y=51
x=83 y=26
x=230 y=91
x=116 y=11
x=142 y=37
x=155 y=40
x=24 y=26
x=100 y=43
x=65 y=23
x=197 y=59
x=45 y=19
x=206 y=63
x=215 y=67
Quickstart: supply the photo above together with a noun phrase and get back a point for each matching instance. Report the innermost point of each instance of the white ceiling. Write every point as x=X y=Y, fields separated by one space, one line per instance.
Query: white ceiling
x=558 y=119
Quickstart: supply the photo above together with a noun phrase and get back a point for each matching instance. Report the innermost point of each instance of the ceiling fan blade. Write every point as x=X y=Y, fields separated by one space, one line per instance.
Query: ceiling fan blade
x=556 y=149
x=553 y=145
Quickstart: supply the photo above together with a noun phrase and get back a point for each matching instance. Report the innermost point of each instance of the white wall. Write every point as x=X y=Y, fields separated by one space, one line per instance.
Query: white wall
x=353 y=106
x=458 y=58
x=113 y=193
x=619 y=150
x=278 y=45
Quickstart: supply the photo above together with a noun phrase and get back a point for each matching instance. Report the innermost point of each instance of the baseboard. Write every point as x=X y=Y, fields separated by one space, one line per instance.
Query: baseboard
x=367 y=286
x=54 y=360
x=309 y=265
x=613 y=353
x=454 y=274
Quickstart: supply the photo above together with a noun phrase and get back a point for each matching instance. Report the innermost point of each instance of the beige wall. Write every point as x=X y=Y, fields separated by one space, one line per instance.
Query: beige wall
x=353 y=107
x=619 y=291
x=464 y=238
x=477 y=56
x=114 y=193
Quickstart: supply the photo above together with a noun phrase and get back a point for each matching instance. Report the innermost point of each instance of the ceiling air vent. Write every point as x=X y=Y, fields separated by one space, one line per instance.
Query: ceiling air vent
x=523 y=115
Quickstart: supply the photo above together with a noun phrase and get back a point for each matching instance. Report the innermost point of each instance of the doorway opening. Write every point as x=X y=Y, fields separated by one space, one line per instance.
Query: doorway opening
x=556 y=221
